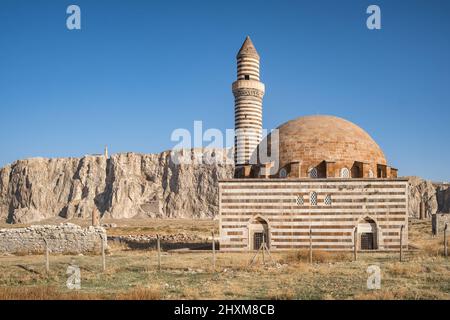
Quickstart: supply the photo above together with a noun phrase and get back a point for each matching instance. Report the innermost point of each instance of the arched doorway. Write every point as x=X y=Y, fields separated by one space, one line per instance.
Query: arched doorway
x=258 y=233
x=368 y=235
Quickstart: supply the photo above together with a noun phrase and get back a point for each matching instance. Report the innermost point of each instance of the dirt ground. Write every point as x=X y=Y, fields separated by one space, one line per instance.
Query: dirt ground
x=134 y=274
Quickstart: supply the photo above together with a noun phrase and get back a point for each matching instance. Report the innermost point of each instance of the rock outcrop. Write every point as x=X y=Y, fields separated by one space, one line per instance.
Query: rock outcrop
x=421 y=190
x=123 y=186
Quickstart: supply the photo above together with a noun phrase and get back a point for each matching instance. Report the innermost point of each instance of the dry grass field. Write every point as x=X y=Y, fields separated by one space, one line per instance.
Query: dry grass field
x=133 y=274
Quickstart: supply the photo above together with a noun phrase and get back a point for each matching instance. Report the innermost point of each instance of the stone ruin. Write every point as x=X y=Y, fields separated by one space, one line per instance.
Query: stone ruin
x=65 y=238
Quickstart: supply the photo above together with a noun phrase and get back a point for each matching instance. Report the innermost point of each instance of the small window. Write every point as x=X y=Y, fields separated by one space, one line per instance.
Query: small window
x=356 y=172
x=313 y=198
x=345 y=173
x=299 y=200
x=283 y=173
x=312 y=172
x=370 y=173
x=247 y=77
x=328 y=200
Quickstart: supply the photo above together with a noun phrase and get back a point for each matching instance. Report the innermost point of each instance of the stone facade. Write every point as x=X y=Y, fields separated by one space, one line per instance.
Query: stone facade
x=63 y=239
x=285 y=210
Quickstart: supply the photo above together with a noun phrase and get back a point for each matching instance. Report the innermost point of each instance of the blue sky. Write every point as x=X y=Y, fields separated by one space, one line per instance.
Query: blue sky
x=140 y=69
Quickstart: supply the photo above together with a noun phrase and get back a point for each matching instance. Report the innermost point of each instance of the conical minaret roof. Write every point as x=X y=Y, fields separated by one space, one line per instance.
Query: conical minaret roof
x=248 y=49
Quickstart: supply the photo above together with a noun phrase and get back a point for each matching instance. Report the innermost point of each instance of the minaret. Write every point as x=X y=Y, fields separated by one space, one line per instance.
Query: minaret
x=248 y=96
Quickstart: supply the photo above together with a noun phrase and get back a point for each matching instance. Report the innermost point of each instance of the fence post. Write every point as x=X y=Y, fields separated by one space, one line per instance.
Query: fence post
x=355 y=244
x=310 y=246
x=158 y=244
x=401 y=243
x=262 y=246
x=445 y=240
x=422 y=210
x=434 y=225
x=47 y=260
x=214 y=250
x=103 y=253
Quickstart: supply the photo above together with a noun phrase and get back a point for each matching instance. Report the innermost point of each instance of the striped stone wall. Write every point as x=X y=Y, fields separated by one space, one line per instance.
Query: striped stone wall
x=288 y=208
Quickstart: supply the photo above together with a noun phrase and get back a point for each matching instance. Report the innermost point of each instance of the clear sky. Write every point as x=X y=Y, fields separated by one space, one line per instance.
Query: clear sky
x=137 y=70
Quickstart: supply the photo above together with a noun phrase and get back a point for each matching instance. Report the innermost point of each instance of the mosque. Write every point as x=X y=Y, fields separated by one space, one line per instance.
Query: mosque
x=330 y=186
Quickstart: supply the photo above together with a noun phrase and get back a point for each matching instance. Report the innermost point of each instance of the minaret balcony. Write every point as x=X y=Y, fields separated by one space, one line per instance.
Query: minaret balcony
x=249 y=84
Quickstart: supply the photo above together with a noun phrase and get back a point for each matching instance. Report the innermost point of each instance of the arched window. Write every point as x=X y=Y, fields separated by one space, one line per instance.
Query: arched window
x=312 y=172
x=368 y=234
x=313 y=198
x=327 y=200
x=259 y=233
x=345 y=173
x=283 y=173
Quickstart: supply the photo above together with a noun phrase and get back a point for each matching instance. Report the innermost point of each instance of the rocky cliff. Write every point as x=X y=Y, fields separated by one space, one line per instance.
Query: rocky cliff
x=123 y=186
x=136 y=185
x=421 y=190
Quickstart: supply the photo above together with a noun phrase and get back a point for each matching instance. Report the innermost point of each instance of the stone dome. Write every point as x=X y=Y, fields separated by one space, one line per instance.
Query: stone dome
x=317 y=139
